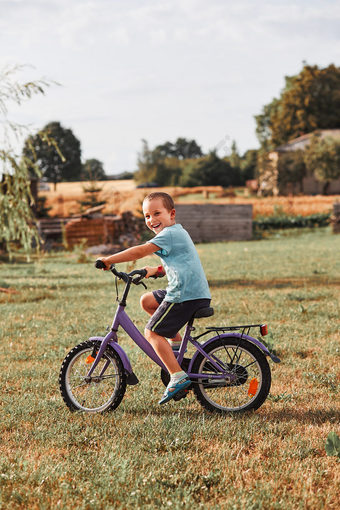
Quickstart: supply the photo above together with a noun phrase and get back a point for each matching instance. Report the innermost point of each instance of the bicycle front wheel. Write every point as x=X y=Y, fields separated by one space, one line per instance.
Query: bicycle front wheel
x=106 y=387
x=250 y=380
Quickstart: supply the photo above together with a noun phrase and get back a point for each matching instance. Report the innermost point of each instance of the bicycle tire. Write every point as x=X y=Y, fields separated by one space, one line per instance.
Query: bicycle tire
x=103 y=393
x=233 y=397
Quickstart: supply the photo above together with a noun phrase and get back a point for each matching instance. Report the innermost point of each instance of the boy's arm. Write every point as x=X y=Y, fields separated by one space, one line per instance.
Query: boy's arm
x=133 y=253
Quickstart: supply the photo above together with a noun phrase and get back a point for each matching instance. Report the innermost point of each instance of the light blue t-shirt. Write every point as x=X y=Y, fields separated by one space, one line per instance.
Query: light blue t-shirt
x=186 y=278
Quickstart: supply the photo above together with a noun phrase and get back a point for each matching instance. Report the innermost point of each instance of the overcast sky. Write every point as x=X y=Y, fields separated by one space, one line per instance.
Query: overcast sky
x=153 y=69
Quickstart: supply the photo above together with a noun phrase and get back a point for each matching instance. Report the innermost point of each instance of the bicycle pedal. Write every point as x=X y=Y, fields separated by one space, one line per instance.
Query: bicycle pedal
x=181 y=394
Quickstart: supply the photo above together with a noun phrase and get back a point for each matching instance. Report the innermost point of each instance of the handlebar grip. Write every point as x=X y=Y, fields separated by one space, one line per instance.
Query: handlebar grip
x=99 y=264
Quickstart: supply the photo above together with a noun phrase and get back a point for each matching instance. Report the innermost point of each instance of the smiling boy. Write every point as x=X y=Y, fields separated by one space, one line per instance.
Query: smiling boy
x=187 y=289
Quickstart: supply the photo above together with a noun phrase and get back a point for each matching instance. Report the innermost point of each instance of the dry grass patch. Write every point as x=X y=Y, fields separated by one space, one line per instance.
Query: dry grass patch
x=123 y=196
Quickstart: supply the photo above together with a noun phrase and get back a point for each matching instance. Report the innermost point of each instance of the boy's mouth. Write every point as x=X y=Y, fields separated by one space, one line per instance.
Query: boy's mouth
x=156 y=226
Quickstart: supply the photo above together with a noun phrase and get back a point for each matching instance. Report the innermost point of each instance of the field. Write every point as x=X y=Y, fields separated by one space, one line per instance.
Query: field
x=143 y=456
x=122 y=196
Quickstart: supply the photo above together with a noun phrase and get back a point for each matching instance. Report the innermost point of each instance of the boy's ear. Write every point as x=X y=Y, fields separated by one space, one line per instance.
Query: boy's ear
x=172 y=213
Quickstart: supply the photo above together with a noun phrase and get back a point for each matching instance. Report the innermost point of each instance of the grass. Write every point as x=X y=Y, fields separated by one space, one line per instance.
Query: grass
x=176 y=456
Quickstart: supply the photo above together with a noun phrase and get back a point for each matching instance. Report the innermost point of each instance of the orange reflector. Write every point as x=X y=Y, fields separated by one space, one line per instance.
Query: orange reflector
x=264 y=329
x=89 y=359
x=253 y=385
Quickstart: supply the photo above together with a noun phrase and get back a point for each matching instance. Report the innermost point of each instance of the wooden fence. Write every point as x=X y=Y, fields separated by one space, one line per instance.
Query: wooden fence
x=216 y=222
x=336 y=218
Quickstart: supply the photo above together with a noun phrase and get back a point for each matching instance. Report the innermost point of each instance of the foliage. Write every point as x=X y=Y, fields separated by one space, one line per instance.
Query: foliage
x=58 y=161
x=92 y=191
x=184 y=164
x=291 y=168
x=212 y=171
x=124 y=175
x=93 y=169
x=322 y=158
x=310 y=100
x=248 y=165
x=283 y=221
x=153 y=166
x=333 y=445
x=181 y=149
x=16 y=217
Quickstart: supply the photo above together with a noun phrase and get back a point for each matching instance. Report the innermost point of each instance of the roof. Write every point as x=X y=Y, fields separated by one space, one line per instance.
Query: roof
x=302 y=141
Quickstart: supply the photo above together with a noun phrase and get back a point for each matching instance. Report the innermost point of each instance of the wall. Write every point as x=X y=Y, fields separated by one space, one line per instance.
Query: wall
x=216 y=222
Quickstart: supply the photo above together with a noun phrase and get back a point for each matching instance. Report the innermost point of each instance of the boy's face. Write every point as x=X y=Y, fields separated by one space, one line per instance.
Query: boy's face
x=157 y=216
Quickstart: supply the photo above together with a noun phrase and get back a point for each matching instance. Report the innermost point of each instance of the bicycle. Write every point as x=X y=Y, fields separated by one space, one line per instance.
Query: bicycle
x=229 y=371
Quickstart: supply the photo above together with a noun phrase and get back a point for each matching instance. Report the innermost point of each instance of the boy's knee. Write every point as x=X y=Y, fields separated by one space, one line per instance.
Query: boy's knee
x=144 y=300
x=148 y=302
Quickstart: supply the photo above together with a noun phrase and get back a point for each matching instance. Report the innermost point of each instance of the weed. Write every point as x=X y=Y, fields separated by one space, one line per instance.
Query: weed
x=332 y=446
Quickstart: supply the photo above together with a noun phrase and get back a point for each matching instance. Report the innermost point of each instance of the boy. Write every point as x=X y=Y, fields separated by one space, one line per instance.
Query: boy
x=187 y=289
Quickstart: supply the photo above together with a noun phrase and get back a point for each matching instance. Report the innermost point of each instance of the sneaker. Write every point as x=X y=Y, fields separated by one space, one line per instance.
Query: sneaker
x=173 y=388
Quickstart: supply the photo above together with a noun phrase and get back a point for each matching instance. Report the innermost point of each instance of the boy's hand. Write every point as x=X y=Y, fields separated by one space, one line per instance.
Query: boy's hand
x=105 y=261
x=150 y=271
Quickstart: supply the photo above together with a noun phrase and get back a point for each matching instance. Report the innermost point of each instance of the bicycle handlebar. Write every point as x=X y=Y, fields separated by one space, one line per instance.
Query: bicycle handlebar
x=99 y=264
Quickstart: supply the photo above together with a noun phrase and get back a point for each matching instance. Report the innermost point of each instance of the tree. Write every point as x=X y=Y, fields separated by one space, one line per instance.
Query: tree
x=153 y=166
x=234 y=158
x=309 y=101
x=16 y=217
x=291 y=169
x=58 y=161
x=249 y=164
x=93 y=170
x=322 y=158
x=212 y=171
x=181 y=149
x=92 y=191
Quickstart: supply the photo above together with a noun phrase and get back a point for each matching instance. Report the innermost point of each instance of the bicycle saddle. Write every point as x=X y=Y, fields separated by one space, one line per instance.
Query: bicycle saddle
x=203 y=312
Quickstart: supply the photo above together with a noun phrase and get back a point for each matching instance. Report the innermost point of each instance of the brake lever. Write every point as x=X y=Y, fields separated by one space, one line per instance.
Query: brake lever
x=137 y=281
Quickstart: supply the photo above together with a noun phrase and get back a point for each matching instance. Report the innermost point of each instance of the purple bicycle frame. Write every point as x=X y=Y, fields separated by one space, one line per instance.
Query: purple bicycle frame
x=122 y=319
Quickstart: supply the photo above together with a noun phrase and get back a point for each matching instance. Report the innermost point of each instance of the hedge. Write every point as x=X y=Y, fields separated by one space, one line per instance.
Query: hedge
x=285 y=221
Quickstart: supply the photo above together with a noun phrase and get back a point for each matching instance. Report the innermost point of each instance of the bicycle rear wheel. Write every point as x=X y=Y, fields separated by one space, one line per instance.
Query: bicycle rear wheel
x=251 y=379
x=107 y=385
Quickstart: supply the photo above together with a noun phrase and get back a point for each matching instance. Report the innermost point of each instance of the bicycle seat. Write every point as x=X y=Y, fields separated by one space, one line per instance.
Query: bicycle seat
x=203 y=312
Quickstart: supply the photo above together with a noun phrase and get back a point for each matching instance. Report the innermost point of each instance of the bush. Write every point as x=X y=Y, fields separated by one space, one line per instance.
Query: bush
x=285 y=221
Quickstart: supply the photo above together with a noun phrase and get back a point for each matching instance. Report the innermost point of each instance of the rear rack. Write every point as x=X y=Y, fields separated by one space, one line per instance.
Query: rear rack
x=245 y=329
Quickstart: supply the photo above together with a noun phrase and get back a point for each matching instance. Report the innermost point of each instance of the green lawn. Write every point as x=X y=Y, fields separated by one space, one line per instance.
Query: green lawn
x=177 y=456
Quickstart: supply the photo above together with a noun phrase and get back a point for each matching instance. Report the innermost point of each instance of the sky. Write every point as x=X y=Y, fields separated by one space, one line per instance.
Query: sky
x=161 y=69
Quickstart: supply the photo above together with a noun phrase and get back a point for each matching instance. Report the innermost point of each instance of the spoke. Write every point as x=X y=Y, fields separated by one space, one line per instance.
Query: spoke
x=235 y=353
x=226 y=350
x=79 y=386
x=238 y=366
x=108 y=376
x=249 y=364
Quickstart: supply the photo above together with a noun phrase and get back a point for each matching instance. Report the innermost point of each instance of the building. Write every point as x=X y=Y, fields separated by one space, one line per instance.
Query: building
x=269 y=177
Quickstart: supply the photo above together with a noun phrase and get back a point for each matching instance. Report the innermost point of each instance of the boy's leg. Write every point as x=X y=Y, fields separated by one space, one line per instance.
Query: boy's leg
x=149 y=304
x=163 y=350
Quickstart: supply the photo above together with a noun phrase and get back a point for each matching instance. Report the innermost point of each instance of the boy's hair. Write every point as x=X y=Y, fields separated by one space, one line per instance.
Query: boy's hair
x=166 y=199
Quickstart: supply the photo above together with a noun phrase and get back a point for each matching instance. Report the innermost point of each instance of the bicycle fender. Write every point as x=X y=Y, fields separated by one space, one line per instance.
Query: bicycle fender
x=131 y=377
x=255 y=341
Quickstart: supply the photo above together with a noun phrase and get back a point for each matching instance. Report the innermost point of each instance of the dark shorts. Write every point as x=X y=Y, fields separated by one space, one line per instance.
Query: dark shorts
x=169 y=318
